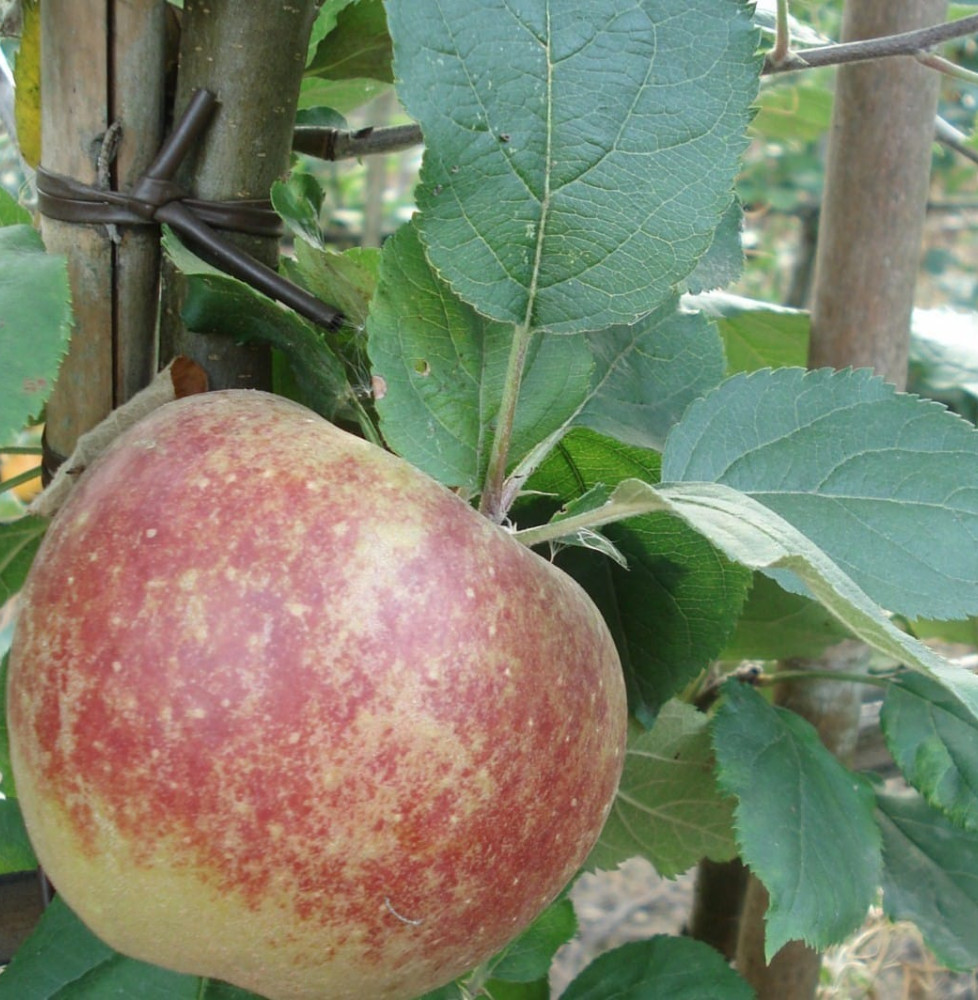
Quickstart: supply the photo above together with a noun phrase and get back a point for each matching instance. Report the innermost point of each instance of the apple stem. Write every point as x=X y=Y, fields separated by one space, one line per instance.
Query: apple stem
x=495 y=500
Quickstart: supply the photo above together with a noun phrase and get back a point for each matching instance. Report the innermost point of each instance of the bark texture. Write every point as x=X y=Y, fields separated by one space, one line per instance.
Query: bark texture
x=869 y=246
x=252 y=57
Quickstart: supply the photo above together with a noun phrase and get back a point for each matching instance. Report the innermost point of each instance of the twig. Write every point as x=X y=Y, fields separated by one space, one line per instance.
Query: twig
x=947 y=67
x=909 y=43
x=337 y=144
x=947 y=135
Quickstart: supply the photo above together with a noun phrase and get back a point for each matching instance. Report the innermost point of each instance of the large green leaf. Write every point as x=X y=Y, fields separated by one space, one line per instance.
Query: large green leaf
x=35 y=321
x=439 y=369
x=805 y=824
x=664 y=968
x=673 y=609
x=586 y=154
x=885 y=483
x=933 y=738
x=668 y=807
x=930 y=876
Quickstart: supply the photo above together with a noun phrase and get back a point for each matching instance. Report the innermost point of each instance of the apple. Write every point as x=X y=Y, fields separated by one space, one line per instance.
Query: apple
x=286 y=712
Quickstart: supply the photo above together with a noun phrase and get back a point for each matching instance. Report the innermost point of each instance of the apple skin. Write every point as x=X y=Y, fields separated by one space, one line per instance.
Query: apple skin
x=286 y=712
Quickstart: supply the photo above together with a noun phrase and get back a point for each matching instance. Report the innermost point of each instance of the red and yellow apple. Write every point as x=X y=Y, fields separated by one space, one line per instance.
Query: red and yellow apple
x=286 y=712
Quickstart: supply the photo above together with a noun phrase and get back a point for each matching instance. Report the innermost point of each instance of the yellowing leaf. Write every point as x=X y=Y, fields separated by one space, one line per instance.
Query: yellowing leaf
x=27 y=93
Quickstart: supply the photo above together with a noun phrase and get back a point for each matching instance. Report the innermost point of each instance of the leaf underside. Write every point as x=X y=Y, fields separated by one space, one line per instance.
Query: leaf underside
x=884 y=483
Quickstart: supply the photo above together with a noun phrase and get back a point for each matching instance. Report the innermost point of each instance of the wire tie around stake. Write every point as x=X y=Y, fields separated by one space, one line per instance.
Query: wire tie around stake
x=156 y=198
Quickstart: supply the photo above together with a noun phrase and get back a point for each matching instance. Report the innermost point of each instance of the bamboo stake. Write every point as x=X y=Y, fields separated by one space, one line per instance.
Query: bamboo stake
x=74 y=118
x=137 y=102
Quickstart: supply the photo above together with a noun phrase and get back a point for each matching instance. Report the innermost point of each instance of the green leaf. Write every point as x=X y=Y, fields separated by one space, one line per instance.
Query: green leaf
x=12 y=213
x=35 y=306
x=358 y=47
x=439 y=369
x=799 y=113
x=6 y=772
x=529 y=957
x=776 y=624
x=588 y=152
x=930 y=876
x=59 y=952
x=675 y=606
x=932 y=737
x=664 y=968
x=753 y=535
x=805 y=824
x=218 y=303
x=723 y=262
x=520 y=970
x=347 y=280
x=299 y=202
x=885 y=483
x=19 y=542
x=325 y=22
x=499 y=989
x=646 y=375
x=342 y=96
x=756 y=334
x=669 y=808
x=16 y=853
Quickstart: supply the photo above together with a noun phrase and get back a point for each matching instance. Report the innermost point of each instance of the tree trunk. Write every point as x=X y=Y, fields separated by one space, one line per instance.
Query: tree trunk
x=877 y=175
x=252 y=57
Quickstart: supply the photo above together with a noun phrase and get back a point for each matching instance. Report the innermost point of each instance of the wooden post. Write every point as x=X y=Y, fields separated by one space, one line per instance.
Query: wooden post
x=74 y=118
x=102 y=61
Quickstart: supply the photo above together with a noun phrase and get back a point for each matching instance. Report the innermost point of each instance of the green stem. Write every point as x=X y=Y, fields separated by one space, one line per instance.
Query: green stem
x=494 y=502
x=782 y=38
x=947 y=67
x=876 y=680
x=20 y=479
x=370 y=432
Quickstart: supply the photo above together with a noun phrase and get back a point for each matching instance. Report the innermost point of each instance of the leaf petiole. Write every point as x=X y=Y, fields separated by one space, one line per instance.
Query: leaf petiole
x=788 y=676
x=495 y=499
